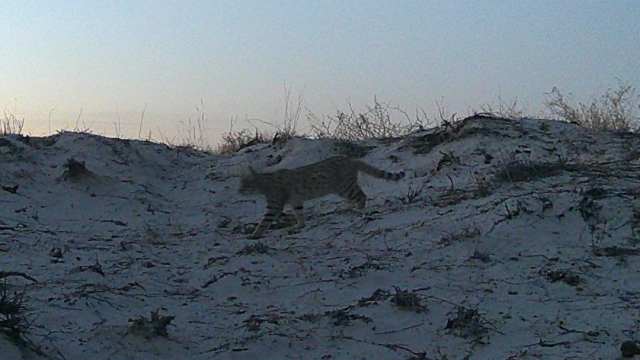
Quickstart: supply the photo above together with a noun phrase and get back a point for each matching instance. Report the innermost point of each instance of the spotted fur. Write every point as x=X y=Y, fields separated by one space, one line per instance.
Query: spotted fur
x=337 y=175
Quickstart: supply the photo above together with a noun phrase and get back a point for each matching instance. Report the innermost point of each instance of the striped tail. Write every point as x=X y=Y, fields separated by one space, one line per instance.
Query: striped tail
x=370 y=170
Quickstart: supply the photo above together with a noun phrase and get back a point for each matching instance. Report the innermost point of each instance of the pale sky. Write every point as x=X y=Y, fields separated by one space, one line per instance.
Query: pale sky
x=108 y=60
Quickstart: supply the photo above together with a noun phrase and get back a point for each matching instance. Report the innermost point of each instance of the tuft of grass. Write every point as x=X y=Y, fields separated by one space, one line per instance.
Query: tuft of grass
x=377 y=121
x=483 y=185
x=407 y=300
x=234 y=141
x=194 y=130
x=467 y=323
x=11 y=125
x=503 y=109
x=155 y=326
x=13 y=322
x=75 y=170
x=616 y=109
x=414 y=194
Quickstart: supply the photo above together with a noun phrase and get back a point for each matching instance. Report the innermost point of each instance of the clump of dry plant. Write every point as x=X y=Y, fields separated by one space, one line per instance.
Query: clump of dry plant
x=11 y=125
x=154 y=326
x=376 y=121
x=616 y=109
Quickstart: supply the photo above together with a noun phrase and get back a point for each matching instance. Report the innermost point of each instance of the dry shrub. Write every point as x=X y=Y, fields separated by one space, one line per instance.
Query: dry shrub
x=503 y=109
x=467 y=323
x=407 y=300
x=291 y=115
x=11 y=125
x=13 y=321
x=194 y=130
x=616 y=109
x=234 y=141
x=154 y=326
x=375 y=122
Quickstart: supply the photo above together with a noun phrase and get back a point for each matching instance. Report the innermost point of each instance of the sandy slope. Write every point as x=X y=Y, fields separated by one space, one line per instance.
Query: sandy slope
x=536 y=264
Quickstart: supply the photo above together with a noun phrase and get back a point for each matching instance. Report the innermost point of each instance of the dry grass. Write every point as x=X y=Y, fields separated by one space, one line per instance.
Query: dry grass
x=616 y=109
x=236 y=140
x=11 y=125
x=13 y=321
x=377 y=121
x=194 y=129
x=504 y=109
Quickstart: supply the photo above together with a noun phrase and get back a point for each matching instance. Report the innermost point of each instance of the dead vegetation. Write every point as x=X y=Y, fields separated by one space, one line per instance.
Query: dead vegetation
x=464 y=234
x=148 y=328
x=616 y=109
x=234 y=141
x=75 y=170
x=504 y=109
x=377 y=121
x=414 y=193
x=467 y=323
x=456 y=129
x=11 y=125
x=407 y=300
x=255 y=249
x=13 y=321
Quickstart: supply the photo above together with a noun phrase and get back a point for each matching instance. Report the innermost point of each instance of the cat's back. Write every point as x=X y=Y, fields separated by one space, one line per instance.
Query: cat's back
x=337 y=166
x=318 y=179
x=327 y=165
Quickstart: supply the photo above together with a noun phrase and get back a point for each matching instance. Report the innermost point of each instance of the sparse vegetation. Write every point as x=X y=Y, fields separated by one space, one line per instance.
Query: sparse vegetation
x=504 y=109
x=375 y=122
x=483 y=185
x=448 y=159
x=13 y=322
x=407 y=300
x=616 y=109
x=11 y=125
x=467 y=323
x=330 y=285
x=75 y=170
x=462 y=235
x=414 y=193
x=234 y=141
x=154 y=326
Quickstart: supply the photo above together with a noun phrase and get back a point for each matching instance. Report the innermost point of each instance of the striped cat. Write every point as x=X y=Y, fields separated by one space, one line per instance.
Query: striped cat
x=336 y=175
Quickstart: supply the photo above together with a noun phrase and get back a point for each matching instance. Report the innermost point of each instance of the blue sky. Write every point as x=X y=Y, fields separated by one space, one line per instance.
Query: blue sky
x=111 y=59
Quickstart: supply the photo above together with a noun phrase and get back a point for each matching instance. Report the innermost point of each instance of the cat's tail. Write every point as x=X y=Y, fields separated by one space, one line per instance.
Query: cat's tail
x=375 y=172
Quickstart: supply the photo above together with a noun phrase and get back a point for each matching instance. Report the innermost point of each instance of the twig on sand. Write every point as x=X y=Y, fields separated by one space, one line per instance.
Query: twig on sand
x=6 y=274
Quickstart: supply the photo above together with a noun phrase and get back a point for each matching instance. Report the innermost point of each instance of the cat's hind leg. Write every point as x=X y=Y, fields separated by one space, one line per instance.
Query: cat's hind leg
x=273 y=212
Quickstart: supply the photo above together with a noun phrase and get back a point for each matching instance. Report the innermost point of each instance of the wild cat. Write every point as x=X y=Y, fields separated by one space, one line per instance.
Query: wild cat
x=336 y=175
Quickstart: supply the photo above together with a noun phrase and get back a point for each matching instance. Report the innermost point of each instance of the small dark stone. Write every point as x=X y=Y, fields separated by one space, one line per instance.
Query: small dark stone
x=55 y=253
x=10 y=189
x=629 y=348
